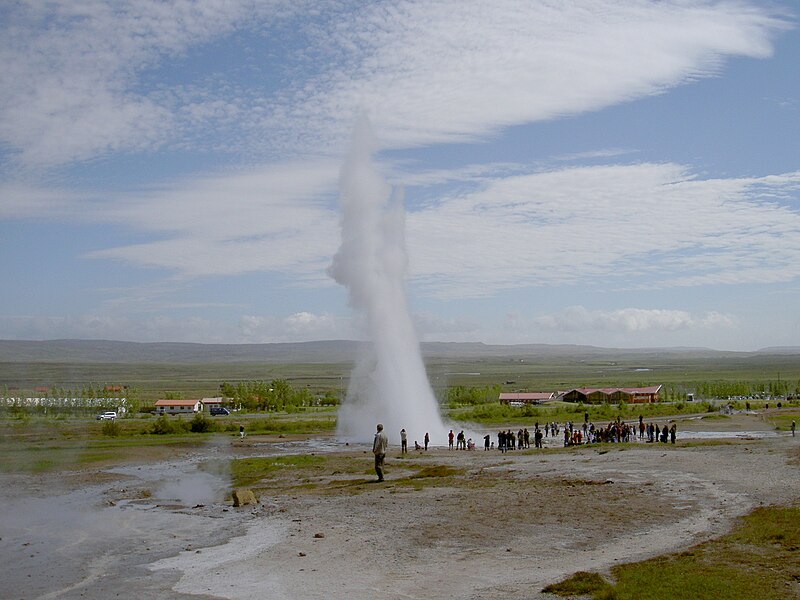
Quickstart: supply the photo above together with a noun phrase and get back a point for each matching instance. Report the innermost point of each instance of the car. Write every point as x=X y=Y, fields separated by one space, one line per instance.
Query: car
x=108 y=415
x=219 y=410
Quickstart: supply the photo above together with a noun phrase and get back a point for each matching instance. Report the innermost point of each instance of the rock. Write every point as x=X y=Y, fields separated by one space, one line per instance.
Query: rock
x=301 y=554
x=319 y=535
x=243 y=497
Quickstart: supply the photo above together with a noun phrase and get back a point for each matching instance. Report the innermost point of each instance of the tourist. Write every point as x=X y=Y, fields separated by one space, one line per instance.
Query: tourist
x=417 y=446
x=379 y=446
x=450 y=437
x=793 y=426
x=673 y=432
x=427 y=440
x=486 y=441
x=241 y=432
x=403 y=442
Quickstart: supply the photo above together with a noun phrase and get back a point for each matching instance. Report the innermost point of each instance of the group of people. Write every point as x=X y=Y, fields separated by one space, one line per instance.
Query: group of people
x=508 y=440
x=462 y=443
x=614 y=432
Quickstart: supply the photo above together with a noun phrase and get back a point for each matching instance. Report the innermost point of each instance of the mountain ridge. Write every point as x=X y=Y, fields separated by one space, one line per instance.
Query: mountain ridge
x=321 y=351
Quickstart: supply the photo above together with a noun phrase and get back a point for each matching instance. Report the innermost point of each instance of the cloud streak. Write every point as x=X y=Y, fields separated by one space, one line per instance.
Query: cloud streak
x=83 y=80
x=248 y=329
x=622 y=227
x=631 y=320
x=608 y=227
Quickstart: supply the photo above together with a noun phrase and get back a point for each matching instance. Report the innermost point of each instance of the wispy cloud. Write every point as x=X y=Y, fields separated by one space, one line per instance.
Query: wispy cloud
x=279 y=218
x=453 y=71
x=81 y=80
x=617 y=226
x=631 y=320
x=71 y=76
x=249 y=329
x=639 y=226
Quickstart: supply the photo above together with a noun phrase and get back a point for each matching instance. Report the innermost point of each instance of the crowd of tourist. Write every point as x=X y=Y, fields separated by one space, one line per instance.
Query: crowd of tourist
x=586 y=433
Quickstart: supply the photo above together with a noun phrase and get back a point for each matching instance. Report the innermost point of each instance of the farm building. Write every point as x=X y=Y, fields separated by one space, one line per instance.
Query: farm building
x=526 y=397
x=178 y=407
x=637 y=395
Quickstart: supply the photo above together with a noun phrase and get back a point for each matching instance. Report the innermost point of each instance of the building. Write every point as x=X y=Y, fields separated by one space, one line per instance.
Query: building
x=209 y=403
x=178 y=407
x=638 y=395
x=519 y=398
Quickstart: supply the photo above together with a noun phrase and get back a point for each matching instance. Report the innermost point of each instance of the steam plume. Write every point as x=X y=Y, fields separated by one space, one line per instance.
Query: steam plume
x=388 y=384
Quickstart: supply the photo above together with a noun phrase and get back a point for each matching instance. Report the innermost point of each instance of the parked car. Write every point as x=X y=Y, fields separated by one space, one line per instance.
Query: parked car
x=108 y=415
x=219 y=410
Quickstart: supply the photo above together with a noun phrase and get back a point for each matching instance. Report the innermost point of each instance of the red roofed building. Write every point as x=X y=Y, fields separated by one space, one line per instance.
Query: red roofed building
x=636 y=395
x=178 y=407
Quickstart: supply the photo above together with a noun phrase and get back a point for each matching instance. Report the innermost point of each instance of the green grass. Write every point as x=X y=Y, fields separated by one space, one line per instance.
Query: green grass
x=526 y=372
x=757 y=560
x=495 y=413
x=783 y=420
x=248 y=471
x=69 y=453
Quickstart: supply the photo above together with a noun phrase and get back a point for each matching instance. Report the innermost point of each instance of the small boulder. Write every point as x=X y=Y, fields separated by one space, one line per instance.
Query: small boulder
x=243 y=497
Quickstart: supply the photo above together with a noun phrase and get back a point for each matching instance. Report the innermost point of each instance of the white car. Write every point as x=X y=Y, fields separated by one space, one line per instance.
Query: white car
x=109 y=414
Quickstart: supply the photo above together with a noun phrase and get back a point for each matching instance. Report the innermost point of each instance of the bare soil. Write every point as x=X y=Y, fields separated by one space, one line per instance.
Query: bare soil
x=482 y=524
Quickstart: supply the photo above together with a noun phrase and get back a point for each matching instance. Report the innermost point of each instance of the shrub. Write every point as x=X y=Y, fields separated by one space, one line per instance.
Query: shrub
x=164 y=426
x=201 y=424
x=111 y=428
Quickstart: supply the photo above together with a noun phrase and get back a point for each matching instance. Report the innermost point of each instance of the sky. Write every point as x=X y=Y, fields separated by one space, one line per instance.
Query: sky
x=614 y=173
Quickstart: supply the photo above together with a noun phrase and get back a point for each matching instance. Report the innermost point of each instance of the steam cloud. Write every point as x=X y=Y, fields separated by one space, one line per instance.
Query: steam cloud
x=388 y=384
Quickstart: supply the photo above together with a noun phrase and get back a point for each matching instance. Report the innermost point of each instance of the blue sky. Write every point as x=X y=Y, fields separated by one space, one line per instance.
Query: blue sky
x=616 y=173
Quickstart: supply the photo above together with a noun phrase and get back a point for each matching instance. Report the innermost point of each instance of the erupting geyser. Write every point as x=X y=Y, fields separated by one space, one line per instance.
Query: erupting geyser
x=389 y=384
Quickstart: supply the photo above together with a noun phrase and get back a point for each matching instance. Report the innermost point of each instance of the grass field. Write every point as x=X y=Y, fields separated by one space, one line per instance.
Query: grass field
x=531 y=373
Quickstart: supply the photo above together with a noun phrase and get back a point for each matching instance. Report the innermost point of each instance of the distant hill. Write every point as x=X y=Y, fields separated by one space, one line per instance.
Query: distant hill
x=330 y=351
x=780 y=350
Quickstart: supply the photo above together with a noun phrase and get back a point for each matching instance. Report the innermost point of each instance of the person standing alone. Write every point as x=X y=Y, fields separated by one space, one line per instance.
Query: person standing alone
x=403 y=441
x=379 y=445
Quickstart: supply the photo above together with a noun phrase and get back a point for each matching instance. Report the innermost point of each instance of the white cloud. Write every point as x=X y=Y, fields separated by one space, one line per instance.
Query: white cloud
x=81 y=80
x=277 y=218
x=640 y=226
x=643 y=226
x=454 y=71
x=302 y=326
x=631 y=320
x=107 y=327
x=70 y=85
